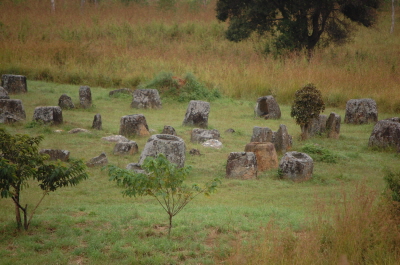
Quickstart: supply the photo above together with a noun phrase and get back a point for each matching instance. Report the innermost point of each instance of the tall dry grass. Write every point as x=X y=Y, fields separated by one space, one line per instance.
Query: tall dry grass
x=364 y=229
x=118 y=45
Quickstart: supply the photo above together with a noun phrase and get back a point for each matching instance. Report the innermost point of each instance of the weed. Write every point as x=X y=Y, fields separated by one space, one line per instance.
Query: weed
x=320 y=153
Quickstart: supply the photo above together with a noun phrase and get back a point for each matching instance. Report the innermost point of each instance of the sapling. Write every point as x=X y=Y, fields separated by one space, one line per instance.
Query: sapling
x=162 y=180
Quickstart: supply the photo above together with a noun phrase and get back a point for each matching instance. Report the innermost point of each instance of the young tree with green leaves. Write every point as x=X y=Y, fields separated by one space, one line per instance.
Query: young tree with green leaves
x=307 y=105
x=296 y=24
x=163 y=180
x=20 y=162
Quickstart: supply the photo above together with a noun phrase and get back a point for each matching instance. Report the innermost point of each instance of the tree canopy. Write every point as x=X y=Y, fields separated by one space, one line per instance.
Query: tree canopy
x=296 y=24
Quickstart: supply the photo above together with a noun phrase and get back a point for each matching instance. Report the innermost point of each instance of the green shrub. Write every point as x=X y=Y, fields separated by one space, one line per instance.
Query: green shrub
x=181 y=89
x=392 y=180
x=320 y=153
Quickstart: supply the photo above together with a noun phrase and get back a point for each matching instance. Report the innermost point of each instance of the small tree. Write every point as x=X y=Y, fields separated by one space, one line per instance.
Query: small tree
x=163 y=180
x=307 y=105
x=21 y=162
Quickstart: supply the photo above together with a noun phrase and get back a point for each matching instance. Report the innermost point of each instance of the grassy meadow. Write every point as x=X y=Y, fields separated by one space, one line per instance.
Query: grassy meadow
x=338 y=217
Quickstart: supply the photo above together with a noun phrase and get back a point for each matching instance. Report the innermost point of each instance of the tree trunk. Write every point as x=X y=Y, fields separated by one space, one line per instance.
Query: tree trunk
x=17 y=214
x=53 y=6
x=304 y=132
x=393 y=18
x=170 y=225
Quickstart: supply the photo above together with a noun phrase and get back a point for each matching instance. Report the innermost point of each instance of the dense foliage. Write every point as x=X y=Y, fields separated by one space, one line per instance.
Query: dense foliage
x=21 y=162
x=296 y=24
x=307 y=105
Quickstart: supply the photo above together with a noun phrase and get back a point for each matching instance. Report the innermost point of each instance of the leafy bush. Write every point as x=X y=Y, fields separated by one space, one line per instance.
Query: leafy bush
x=320 y=153
x=181 y=89
x=392 y=180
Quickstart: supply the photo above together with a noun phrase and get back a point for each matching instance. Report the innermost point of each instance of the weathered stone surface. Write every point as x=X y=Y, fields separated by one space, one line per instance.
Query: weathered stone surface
x=49 y=114
x=3 y=93
x=115 y=138
x=97 y=124
x=386 y=134
x=146 y=99
x=121 y=91
x=135 y=167
x=241 y=165
x=171 y=146
x=12 y=108
x=201 y=135
x=56 y=154
x=197 y=114
x=282 y=140
x=65 y=102
x=98 y=161
x=213 y=143
x=78 y=130
x=85 y=97
x=262 y=134
x=318 y=125
x=14 y=84
x=333 y=126
x=361 y=111
x=126 y=148
x=134 y=125
x=169 y=130
x=194 y=152
x=296 y=166
x=266 y=155
x=268 y=108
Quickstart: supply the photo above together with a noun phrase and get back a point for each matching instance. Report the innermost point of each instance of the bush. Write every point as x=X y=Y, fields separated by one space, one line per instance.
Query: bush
x=181 y=89
x=320 y=153
x=392 y=180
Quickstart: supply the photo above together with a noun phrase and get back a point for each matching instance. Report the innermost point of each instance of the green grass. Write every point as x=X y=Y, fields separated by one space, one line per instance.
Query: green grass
x=93 y=223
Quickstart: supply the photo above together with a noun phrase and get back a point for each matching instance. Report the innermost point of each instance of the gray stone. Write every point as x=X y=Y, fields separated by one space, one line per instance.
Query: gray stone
x=14 y=84
x=197 y=114
x=281 y=139
x=333 y=126
x=169 y=130
x=49 y=114
x=361 y=111
x=78 y=130
x=11 y=110
x=201 y=135
x=126 y=91
x=126 y=148
x=56 y=154
x=146 y=99
x=268 y=108
x=171 y=146
x=65 y=102
x=131 y=125
x=98 y=161
x=213 y=143
x=194 y=152
x=230 y=130
x=386 y=134
x=241 y=165
x=85 y=97
x=262 y=134
x=115 y=138
x=318 y=125
x=137 y=168
x=3 y=93
x=97 y=124
x=296 y=166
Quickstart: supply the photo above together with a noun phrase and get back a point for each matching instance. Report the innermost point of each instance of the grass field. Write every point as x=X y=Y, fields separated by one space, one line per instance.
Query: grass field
x=339 y=216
